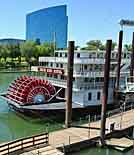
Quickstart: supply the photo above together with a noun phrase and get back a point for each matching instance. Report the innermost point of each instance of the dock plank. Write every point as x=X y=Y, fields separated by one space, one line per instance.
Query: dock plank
x=120 y=144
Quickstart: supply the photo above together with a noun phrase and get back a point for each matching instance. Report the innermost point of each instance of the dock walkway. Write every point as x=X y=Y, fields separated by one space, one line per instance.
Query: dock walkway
x=73 y=135
x=48 y=150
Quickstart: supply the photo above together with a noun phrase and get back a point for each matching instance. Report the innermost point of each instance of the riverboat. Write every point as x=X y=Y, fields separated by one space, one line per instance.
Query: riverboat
x=46 y=90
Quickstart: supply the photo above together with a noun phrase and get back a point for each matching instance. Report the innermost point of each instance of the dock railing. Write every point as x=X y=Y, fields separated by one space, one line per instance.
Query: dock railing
x=23 y=143
x=110 y=114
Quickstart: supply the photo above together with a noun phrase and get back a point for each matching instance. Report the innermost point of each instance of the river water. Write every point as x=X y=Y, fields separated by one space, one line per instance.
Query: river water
x=12 y=126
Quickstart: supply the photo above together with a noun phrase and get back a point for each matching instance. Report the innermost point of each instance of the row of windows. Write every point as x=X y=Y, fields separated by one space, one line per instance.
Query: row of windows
x=58 y=65
x=60 y=55
x=90 y=96
x=102 y=55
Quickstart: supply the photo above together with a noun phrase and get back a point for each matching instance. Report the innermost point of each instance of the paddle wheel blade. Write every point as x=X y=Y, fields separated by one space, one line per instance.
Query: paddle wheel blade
x=29 y=90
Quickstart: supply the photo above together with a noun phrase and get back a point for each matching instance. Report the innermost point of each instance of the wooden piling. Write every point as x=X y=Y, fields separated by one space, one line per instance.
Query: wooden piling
x=105 y=91
x=119 y=60
x=132 y=60
x=68 y=115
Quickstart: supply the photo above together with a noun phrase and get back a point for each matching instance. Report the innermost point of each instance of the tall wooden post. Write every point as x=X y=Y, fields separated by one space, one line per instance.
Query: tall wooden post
x=105 y=91
x=68 y=117
x=119 y=60
x=132 y=60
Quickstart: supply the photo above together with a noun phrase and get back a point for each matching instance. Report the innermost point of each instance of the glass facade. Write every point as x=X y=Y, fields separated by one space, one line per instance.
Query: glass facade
x=48 y=25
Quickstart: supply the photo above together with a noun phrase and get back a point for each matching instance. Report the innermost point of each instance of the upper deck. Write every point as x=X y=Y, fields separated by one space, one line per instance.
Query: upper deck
x=85 y=57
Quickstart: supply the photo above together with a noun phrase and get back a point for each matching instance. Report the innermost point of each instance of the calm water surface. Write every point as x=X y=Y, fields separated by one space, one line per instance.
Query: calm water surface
x=12 y=126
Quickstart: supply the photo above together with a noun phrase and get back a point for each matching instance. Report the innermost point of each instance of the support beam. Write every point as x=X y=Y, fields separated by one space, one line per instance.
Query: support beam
x=105 y=91
x=132 y=60
x=68 y=117
x=119 y=60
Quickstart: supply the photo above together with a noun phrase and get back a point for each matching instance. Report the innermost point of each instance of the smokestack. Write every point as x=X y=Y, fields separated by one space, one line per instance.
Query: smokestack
x=68 y=119
x=105 y=91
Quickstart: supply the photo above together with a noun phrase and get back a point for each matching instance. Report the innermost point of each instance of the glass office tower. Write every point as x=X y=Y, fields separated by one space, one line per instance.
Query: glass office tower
x=48 y=25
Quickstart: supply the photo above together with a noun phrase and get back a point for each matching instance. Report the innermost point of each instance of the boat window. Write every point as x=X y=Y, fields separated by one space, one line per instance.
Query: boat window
x=90 y=56
x=51 y=64
x=56 y=54
x=61 y=65
x=85 y=67
x=97 y=79
x=98 y=95
x=85 y=79
x=50 y=75
x=125 y=55
x=65 y=54
x=89 y=96
x=78 y=55
x=55 y=76
x=62 y=77
x=60 y=54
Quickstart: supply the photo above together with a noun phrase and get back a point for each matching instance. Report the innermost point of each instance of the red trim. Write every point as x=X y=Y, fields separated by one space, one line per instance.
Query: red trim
x=51 y=70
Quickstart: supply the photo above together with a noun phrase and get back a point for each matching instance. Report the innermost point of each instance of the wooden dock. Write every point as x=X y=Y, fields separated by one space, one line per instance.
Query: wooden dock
x=48 y=150
x=80 y=134
x=120 y=144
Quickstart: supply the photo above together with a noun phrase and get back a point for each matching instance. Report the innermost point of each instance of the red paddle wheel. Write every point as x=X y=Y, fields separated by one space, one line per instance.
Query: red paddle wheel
x=27 y=90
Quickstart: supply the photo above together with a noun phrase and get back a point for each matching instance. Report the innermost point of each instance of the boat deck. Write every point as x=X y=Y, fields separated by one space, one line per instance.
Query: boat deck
x=48 y=106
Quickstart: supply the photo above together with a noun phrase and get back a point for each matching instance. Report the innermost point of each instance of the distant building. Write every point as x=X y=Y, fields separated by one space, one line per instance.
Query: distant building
x=48 y=25
x=11 y=41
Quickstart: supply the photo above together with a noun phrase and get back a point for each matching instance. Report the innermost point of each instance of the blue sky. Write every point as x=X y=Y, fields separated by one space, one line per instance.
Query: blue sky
x=88 y=19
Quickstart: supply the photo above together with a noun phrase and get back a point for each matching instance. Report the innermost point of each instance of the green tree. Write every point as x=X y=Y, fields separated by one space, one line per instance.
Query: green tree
x=5 y=52
x=12 y=51
x=28 y=50
x=0 y=52
x=94 y=44
x=114 y=44
x=128 y=47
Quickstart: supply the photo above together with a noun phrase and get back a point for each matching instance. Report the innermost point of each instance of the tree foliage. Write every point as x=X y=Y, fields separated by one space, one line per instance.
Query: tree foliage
x=128 y=47
x=97 y=45
x=29 y=50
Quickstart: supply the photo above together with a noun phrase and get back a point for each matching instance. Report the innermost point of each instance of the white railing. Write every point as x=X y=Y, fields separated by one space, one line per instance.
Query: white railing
x=91 y=74
x=76 y=60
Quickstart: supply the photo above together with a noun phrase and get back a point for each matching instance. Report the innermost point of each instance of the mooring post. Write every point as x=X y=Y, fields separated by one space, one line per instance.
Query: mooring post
x=105 y=91
x=119 y=60
x=132 y=60
x=89 y=120
x=68 y=117
x=133 y=139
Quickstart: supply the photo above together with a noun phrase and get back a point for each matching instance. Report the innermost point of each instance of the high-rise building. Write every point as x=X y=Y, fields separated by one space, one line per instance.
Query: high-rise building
x=48 y=25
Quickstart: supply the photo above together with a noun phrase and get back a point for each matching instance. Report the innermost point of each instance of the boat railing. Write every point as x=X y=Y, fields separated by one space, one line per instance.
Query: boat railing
x=76 y=84
x=82 y=60
x=110 y=114
x=93 y=85
x=95 y=73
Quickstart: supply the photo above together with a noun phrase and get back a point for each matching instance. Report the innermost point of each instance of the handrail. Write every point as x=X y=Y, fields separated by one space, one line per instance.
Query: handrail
x=23 y=143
